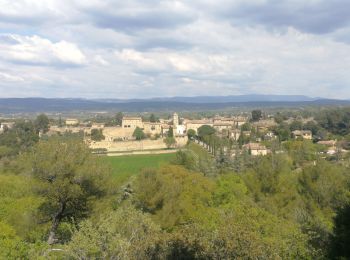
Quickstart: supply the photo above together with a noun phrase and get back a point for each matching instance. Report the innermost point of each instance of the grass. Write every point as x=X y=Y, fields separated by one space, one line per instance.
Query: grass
x=123 y=167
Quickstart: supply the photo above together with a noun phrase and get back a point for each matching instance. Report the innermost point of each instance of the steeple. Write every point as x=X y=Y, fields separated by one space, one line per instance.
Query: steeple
x=175 y=119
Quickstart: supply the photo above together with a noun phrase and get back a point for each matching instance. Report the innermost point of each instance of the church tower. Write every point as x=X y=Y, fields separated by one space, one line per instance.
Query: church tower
x=175 y=120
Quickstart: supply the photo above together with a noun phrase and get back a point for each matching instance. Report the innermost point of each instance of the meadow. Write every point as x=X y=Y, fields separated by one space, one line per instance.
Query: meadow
x=125 y=166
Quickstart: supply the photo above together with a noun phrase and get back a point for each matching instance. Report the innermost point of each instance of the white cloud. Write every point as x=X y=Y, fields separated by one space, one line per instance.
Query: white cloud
x=162 y=47
x=34 y=50
x=10 y=78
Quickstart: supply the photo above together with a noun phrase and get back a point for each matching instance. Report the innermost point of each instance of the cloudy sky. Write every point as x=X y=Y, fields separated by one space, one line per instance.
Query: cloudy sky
x=153 y=48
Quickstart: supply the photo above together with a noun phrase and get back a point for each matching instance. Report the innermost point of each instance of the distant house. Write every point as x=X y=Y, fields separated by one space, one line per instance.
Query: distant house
x=152 y=128
x=220 y=126
x=256 y=149
x=72 y=121
x=235 y=134
x=331 y=146
x=303 y=134
x=240 y=120
x=270 y=136
x=132 y=122
x=97 y=126
x=329 y=143
x=6 y=125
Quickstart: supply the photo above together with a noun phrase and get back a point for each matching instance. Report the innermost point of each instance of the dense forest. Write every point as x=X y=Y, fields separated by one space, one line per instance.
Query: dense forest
x=59 y=201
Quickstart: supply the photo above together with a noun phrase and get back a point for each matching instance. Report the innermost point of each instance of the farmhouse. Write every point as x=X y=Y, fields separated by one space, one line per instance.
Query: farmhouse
x=303 y=134
x=132 y=122
x=256 y=149
x=72 y=122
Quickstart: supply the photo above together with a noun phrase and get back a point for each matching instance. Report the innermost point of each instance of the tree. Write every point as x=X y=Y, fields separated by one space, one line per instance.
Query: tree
x=340 y=240
x=191 y=133
x=205 y=130
x=122 y=234
x=97 y=135
x=169 y=141
x=60 y=122
x=21 y=137
x=119 y=118
x=41 y=123
x=139 y=134
x=153 y=118
x=171 y=132
x=256 y=115
x=69 y=178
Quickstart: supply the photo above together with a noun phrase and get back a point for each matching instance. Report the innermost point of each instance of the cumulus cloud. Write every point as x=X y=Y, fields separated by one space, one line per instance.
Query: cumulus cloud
x=150 y=48
x=34 y=50
x=313 y=16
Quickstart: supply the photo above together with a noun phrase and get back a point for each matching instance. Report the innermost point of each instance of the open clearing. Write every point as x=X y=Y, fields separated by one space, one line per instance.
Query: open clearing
x=125 y=166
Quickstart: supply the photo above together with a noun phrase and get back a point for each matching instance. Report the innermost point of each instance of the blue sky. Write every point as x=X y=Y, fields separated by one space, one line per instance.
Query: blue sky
x=139 y=49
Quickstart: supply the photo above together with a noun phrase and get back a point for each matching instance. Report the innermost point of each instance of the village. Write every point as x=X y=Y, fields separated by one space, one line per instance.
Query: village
x=136 y=135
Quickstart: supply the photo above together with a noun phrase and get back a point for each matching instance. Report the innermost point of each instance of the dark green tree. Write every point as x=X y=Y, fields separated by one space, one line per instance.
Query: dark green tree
x=205 y=130
x=139 y=134
x=340 y=240
x=256 y=115
x=153 y=118
x=169 y=142
x=191 y=133
x=97 y=135
x=171 y=132
x=69 y=178
x=119 y=118
x=41 y=123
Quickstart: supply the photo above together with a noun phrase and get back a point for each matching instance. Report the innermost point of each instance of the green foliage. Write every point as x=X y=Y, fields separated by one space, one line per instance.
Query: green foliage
x=282 y=131
x=340 y=239
x=19 y=206
x=19 y=138
x=11 y=246
x=122 y=234
x=246 y=127
x=205 y=130
x=68 y=176
x=169 y=142
x=139 y=134
x=290 y=204
x=191 y=134
x=256 y=115
x=119 y=118
x=302 y=151
x=97 y=135
x=171 y=132
x=42 y=123
x=337 y=121
x=174 y=195
x=153 y=118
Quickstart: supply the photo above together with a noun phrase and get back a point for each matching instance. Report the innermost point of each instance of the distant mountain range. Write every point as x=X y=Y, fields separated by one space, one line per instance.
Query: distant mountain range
x=34 y=105
x=220 y=99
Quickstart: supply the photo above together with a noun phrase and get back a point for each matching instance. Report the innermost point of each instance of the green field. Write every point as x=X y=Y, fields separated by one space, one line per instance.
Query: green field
x=125 y=166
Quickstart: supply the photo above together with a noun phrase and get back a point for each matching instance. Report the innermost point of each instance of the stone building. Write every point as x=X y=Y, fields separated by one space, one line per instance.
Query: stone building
x=132 y=122
x=256 y=149
x=303 y=134
x=152 y=128
x=72 y=122
x=195 y=124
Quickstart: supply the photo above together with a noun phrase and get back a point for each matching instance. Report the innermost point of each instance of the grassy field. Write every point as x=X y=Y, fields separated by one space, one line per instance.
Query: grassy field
x=125 y=166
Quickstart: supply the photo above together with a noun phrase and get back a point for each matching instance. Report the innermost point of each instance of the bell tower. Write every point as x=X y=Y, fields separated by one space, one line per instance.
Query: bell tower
x=175 y=119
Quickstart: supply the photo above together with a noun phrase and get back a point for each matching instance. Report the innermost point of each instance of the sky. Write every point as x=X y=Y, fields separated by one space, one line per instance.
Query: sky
x=155 y=48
